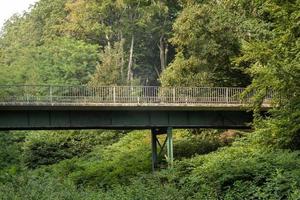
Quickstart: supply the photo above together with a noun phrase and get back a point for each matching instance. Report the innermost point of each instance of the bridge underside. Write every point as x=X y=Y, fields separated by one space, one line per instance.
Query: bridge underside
x=121 y=119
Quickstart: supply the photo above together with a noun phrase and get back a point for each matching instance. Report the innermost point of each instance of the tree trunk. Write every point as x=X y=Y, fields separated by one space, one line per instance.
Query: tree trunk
x=122 y=58
x=108 y=42
x=166 y=55
x=122 y=64
x=129 y=72
x=163 y=53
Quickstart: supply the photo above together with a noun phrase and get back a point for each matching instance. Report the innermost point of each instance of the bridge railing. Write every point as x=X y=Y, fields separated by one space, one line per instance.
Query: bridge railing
x=121 y=94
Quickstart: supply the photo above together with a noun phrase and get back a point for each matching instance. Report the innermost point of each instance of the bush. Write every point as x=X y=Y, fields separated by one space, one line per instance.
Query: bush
x=30 y=186
x=242 y=172
x=198 y=141
x=114 y=164
x=146 y=187
x=45 y=147
x=45 y=187
x=11 y=148
x=190 y=144
x=122 y=171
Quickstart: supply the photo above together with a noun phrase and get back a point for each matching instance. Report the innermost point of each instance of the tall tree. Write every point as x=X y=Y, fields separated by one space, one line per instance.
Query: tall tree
x=110 y=69
x=273 y=57
x=206 y=41
x=145 y=27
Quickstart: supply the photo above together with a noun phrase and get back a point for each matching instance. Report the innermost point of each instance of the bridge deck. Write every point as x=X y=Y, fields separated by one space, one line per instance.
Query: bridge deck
x=83 y=107
x=127 y=106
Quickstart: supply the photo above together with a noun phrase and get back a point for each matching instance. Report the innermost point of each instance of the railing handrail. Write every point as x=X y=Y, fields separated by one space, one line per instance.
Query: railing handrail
x=111 y=86
x=122 y=94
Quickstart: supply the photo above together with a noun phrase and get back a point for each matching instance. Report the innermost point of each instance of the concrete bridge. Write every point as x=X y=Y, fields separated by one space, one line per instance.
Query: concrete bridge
x=43 y=107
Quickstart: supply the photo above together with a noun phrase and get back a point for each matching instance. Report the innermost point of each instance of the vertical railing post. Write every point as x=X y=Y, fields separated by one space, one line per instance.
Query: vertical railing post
x=227 y=95
x=138 y=94
x=26 y=93
x=114 y=94
x=174 y=95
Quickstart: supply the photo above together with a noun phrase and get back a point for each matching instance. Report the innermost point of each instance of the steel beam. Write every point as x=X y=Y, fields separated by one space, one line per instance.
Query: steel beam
x=91 y=119
x=170 y=147
x=154 y=149
x=155 y=143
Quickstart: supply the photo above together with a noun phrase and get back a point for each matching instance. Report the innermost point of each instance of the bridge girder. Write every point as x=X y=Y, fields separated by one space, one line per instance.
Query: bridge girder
x=123 y=119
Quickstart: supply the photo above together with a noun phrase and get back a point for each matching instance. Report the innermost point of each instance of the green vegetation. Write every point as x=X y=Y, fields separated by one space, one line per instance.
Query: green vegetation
x=248 y=43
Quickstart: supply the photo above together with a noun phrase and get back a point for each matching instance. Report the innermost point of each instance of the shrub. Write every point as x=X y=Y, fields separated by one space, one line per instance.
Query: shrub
x=195 y=144
x=198 y=141
x=146 y=187
x=30 y=186
x=45 y=147
x=242 y=172
x=114 y=164
x=45 y=187
x=11 y=148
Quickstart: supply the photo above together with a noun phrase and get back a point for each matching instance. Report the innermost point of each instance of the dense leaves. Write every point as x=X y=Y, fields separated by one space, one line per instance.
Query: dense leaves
x=205 y=36
x=45 y=148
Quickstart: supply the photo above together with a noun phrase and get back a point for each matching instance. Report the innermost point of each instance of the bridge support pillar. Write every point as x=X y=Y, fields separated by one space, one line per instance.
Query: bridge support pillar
x=167 y=142
x=170 y=147
x=154 y=149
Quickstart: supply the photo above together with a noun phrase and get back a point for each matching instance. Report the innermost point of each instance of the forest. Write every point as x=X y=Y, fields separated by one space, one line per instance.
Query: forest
x=212 y=43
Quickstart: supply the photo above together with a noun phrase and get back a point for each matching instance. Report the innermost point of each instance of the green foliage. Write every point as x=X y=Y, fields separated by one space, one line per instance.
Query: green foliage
x=10 y=154
x=204 y=34
x=30 y=186
x=46 y=18
x=274 y=64
x=146 y=187
x=114 y=164
x=242 y=172
x=111 y=22
x=191 y=144
x=10 y=150
x=65 y=60
x=121 y=171
x=60 y=61
x=21 y=37
x=110 y=70
x=46 y=148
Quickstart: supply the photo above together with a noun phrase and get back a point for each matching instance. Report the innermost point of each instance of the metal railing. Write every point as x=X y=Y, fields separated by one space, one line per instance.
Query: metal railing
x=122 y=94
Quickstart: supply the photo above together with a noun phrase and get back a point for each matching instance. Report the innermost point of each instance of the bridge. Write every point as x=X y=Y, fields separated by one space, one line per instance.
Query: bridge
x=47 y=107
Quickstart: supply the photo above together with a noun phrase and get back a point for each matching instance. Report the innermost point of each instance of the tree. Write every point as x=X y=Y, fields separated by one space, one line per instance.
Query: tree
x=110 y=70
x=144 y=26
x=22 y=36
x=273 y=59
x=205 y=36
